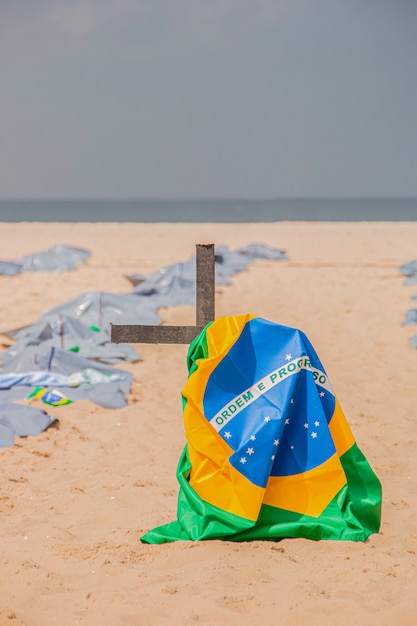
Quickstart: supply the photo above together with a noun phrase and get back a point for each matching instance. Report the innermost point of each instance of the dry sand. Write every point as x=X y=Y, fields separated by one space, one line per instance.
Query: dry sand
x=75 y=500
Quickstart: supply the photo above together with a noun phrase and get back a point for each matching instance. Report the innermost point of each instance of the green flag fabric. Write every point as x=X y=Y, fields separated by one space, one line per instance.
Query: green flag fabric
x=269 y=453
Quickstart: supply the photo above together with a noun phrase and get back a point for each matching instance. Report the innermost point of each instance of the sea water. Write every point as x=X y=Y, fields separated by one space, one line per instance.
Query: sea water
x=211 y=210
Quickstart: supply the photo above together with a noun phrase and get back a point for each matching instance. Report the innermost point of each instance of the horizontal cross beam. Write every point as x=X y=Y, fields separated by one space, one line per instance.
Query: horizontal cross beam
x=142 y=333
x=205 y=309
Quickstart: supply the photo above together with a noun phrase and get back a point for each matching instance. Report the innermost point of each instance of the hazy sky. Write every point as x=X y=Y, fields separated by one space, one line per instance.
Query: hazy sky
x=208 y=98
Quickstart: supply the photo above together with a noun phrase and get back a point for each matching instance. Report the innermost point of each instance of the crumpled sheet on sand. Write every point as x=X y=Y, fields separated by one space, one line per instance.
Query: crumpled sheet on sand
x=74 y=336
x=57 y=258
x=75 y=377
x=411 y=318
x=55 y=329
x=175 y=285
x=410 y=271
x=69 y=325
x=22 y=421
x=109 y=394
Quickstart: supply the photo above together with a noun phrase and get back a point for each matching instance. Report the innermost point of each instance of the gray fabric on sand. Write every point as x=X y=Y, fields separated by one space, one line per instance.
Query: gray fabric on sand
x=410 y=317
x=68 y=325
x=175 y=284
x=63 y=340
x=43 y=358
x=410 y=271
x=68 y=333
x=57 y=258
x=21 y=420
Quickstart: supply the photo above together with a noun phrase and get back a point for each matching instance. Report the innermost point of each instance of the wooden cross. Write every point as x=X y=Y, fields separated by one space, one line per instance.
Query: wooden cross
x=145 y=333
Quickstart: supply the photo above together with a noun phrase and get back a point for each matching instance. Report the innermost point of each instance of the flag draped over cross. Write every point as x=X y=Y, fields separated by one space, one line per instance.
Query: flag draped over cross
x=205 y=305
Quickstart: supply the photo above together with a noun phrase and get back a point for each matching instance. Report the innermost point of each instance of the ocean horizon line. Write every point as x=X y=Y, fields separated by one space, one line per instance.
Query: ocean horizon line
x=213 y=210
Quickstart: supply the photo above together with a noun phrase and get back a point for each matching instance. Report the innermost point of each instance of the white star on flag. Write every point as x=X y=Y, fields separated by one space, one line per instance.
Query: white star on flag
x=250 y=451
x=306 y=425
x=273 y=457
x=322 y=394
x=314 y=435
x=288 y=357
x=253 y=438
x=287 y=421
x=243 y=460
x=227 y=434
x=267 y=419
x=276 y=442
x=316 y=424
x=292 y=401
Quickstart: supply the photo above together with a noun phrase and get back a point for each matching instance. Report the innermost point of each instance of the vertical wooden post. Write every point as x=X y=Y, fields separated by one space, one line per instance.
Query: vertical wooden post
x=205 y=298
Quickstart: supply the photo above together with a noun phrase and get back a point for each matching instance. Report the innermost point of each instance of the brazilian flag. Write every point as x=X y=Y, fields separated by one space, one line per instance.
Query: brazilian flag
x=269 y=452
x=54 y=397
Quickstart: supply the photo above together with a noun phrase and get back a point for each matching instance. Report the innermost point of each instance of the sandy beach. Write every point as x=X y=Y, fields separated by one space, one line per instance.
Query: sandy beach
x=76 y=499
